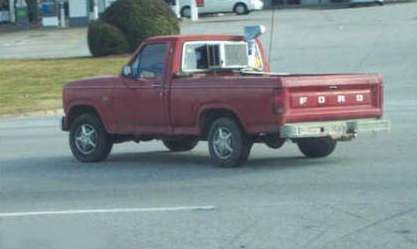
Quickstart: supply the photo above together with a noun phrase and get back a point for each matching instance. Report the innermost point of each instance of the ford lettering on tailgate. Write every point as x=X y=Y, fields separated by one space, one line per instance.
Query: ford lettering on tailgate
x=314 y=99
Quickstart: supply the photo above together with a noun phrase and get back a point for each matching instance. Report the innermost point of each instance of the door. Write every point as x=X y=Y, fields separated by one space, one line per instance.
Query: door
x=143 y=98
x=220 y=5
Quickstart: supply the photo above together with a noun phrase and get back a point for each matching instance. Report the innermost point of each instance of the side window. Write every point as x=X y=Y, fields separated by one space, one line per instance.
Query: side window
x=150 y=62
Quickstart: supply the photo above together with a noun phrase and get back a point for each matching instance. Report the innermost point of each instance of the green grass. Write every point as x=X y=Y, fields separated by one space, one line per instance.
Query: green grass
x=36 y=85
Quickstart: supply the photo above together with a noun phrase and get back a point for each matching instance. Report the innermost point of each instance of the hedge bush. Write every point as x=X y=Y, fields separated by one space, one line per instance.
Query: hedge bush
x=137 y=20
x=105 y=39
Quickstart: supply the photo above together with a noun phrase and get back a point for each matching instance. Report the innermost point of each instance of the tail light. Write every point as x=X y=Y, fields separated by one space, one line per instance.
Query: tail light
x=279 y=101
x=376 y=95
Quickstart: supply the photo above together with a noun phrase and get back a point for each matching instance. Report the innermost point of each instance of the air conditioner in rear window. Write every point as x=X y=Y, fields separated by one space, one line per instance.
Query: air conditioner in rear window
x=235 y=55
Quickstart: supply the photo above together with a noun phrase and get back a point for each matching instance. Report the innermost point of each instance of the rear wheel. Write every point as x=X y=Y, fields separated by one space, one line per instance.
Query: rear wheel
x=316 y=147
x=181 y=144
x=89 y=141
x=229 y=146
x=241 y=9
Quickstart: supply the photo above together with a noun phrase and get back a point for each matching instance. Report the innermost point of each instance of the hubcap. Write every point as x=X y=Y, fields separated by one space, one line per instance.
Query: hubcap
x=187 y=12
x=222 y=143
x=86 y=139
x=240 y=9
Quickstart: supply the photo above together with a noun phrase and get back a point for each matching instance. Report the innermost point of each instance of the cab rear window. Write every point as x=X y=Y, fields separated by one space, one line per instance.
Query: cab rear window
x=204 y=56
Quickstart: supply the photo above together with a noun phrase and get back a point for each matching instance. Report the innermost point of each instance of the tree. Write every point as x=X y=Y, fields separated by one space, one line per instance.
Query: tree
x=105 y=39
x=4 y=3
x=140 y=19
x=136 y=20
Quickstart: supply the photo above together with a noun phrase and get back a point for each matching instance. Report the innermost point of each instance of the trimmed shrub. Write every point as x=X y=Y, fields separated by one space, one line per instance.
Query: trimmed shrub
x=105 y=39
x=140 y=19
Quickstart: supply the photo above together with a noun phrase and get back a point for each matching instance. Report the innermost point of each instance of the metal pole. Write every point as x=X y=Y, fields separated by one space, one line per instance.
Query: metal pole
x=271 y=39
x=62 y=14
x=194 y=11
x=177 y=8
x=12 y=11
x=95 y=10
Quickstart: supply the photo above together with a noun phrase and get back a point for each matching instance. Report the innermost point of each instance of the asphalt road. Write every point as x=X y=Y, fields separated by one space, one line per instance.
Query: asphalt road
x=363 y=196
x=44 y=43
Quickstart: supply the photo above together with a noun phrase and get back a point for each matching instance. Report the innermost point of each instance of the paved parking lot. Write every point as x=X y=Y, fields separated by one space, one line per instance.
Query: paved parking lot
x=47 y=43
x=363 y=196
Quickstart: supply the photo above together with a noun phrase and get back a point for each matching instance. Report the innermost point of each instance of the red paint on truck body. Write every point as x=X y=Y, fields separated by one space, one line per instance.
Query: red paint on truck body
x=173 y=105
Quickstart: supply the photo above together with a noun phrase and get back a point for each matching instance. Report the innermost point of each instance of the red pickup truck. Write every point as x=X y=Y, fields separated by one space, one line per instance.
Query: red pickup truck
x=217 y=88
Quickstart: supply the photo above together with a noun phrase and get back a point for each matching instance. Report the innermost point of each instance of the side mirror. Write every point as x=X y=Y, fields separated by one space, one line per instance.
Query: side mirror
x=127 y=71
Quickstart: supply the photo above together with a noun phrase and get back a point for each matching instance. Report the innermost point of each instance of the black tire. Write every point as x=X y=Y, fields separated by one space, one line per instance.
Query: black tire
x=181 y=144
x=102 y=141
x=239 y=142
x=184 y=10
x=274 y=141
x=316 y=147
x=241 y=9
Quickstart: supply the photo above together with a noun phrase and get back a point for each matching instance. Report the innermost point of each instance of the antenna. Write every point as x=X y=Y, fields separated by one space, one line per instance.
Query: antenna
x=271 y=36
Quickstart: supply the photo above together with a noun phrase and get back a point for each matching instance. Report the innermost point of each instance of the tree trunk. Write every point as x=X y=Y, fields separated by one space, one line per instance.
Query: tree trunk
x=33 y=14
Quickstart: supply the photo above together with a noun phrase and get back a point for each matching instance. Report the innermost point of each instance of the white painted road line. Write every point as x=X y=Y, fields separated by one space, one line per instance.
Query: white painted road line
x=106 y=211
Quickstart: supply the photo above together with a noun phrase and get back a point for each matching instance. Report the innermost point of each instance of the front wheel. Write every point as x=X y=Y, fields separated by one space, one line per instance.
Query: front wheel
x=180 y=144
x=316 y=147
x=229 y=146
x=88 y=139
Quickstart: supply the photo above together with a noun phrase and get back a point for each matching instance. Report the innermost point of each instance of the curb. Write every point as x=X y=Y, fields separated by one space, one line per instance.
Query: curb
x=47 y=113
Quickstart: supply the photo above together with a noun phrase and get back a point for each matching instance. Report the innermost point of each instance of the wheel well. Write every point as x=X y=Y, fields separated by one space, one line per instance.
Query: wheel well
x=77 y=111
x=207 y=117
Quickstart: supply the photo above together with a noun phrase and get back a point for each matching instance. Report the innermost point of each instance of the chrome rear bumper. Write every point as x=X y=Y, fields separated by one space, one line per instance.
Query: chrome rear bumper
x=344 y=129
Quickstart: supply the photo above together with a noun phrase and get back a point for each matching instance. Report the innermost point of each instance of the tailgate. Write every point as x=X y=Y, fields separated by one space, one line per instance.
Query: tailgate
x=331 y=97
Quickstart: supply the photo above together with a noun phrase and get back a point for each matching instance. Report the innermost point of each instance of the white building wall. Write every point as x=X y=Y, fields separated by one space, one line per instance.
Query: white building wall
x=78 y=8
x=78 y=13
